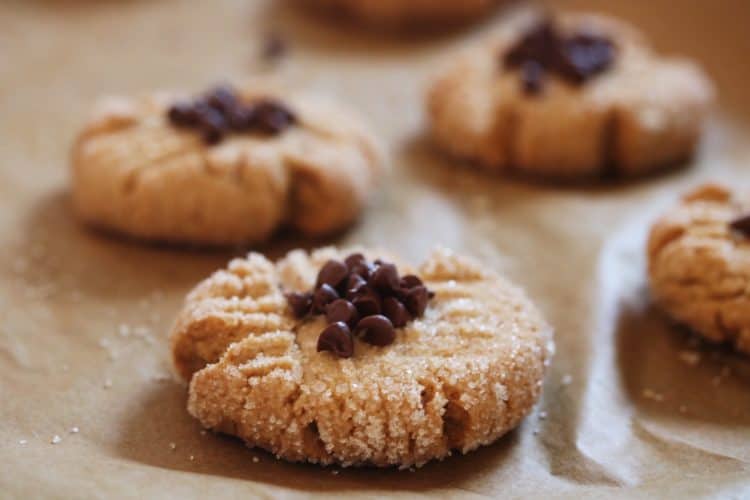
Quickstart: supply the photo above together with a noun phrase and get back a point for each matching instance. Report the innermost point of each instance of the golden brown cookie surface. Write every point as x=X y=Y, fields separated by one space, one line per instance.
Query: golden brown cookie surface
x=459 y=377
x=136 y=173
x=699 y=266
x=642 y=113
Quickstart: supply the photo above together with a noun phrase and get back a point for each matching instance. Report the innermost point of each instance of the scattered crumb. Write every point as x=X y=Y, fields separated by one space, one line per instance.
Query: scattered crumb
x=256 y=460
x=107 y=383
x=203 y=432
x=335 y=472
x=652 y=395
x=690 y=358
x=172 y=446
x=65 y=368
x=22 y=441
x=124 y=330
x=542 y=415
x=412 y=469
x=55 y=439
x=192 y=457
x=74 y=430
x=567 y=379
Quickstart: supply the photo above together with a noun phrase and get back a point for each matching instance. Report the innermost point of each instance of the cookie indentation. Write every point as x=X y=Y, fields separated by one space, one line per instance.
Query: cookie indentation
x=455 y=422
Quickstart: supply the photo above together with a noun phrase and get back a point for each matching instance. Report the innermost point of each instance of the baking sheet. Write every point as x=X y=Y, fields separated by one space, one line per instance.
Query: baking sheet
x=626 y=409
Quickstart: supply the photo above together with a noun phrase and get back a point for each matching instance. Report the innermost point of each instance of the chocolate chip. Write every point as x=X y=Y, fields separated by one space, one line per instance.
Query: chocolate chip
x=355 y=281
x=410 y=281
x=368 y=302
x=741 y=225
x=355 y=286
x=337 y=339
x=532 y=77
x=543 y=49
x=588 y=55
x=416 y=300
x=342 y=310
x=376 y=330
x=221 y=110
x=322 y=297
x=182 y=114
x=332 y=273
x=222 y=98
x=395 y=311
x=212 y=125
x=363 y=270
x=240 y=118
x=272 y=117
x=353 y=260
x=385 y=278
x=300 y=303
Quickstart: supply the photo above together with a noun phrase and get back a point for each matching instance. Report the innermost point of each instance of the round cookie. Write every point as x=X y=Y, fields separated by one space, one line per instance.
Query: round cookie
x=140 y=171
x=399 y=14
x=699 y=265
x=573 y=96
x=460 y=376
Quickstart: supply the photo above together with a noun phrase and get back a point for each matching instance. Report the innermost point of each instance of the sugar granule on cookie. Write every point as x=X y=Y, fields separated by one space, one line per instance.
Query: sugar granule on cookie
x=699 y=264
x=303 y=357
x=570 y=96
x=230 y=166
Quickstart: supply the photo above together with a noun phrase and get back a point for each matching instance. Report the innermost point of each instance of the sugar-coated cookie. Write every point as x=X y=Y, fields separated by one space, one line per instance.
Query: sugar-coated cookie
x=401 y=14
x=699 y=264
x=340 y=357
x=228 y=167
x=571 y=96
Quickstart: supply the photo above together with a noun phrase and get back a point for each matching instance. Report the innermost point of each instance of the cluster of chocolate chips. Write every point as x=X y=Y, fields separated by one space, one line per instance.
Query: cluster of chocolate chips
x=741 y=225
x=362 y=299
x=220 y=111
x=543 y=49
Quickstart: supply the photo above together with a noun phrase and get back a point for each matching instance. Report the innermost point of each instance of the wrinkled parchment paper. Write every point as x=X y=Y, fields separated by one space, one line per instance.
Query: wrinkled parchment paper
x=631 y=405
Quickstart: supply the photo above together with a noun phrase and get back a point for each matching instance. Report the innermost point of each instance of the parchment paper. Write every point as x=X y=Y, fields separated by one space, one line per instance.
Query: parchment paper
x=631 y=404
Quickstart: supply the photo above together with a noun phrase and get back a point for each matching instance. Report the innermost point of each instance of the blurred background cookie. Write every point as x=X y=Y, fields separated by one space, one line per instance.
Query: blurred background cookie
x=418 y=14
x=568 y=96
x=350 y=358
x=699 y=264
x=228 y=167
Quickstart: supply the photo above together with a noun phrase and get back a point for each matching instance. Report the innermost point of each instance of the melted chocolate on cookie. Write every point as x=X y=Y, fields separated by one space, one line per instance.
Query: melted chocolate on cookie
x=544 y=49
x=220 y=111
x=369 y=300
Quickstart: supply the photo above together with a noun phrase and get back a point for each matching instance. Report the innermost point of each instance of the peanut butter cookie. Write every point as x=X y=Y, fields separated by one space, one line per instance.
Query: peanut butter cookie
x=399 y=14
x=229 y=167
x=359 y=360
x=572 y=96
x=699 y=264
